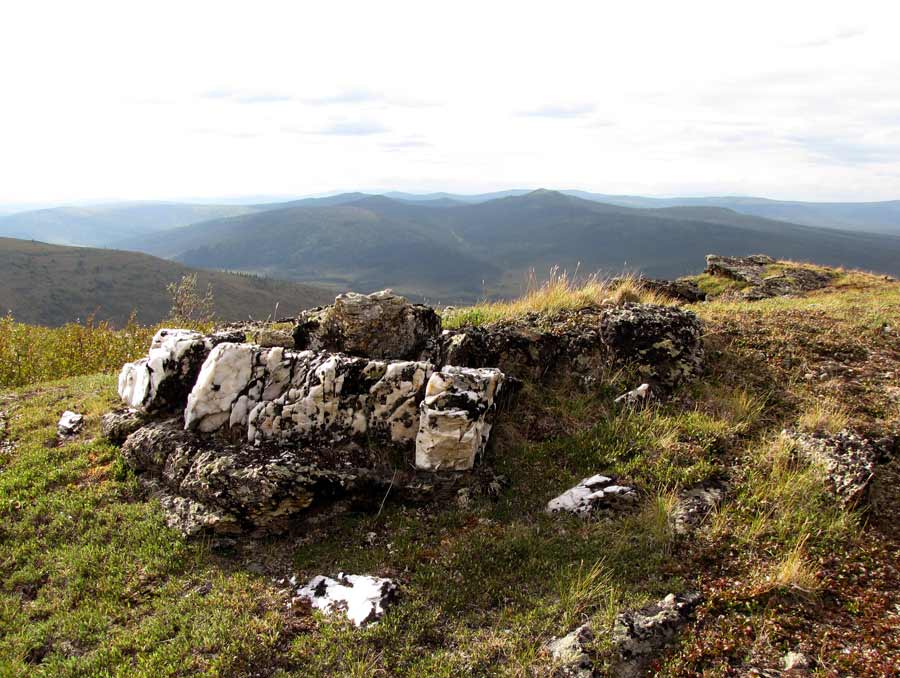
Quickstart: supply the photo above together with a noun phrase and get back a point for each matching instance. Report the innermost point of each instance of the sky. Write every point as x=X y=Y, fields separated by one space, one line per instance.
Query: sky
x=167 y=100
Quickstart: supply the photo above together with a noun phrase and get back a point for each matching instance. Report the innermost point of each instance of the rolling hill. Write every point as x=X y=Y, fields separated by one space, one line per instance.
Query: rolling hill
x=105 y=225
x=462 y=252
x=52 y=284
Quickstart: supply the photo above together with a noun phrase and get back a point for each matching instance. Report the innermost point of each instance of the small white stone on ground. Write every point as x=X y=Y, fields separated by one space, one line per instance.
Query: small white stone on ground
x=70 y=423
x=362 y=598
x=635 y=395
x=597 y=493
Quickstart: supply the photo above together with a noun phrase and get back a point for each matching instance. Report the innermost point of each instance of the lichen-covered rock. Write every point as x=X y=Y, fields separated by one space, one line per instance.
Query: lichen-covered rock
x=569 y=653
x=362 y=599
x=162 y=380
x=847 y=459
x=305 y=396
x=638 y=635
x=693 y=505
x=456 y=416
x=378 y=325
x=117 y=425
x=743 y=269
x=664 y=342
x=69 y=424
x=210 y=483
x=268 y=337
x=762 y=279
x=595 y=495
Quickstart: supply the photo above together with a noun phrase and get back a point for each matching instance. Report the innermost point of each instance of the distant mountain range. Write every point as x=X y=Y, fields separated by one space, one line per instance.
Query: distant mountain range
x=116 y=224
x=461 y=252
x=52 y=285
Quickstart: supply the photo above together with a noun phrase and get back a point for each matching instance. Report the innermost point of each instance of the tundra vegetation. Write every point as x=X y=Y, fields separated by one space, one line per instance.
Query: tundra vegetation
x=92 y=583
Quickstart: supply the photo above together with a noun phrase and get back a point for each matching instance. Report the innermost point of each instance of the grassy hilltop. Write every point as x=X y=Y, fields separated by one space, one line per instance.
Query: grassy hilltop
x=94 y=584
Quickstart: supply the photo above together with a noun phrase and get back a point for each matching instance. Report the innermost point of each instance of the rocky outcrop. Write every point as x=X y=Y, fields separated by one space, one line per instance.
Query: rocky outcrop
x=664 y=342
x=208 y=483
x=686 y=291
x=597 y=495
x=763 y=277
x=362 y=599
x=638 y=635
x=307 y=397
x=162 y=380
x=378 y=325
x=456 y=417
x=847 y=459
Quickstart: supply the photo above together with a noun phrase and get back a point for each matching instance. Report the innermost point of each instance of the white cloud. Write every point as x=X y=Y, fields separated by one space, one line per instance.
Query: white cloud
x=794 y=100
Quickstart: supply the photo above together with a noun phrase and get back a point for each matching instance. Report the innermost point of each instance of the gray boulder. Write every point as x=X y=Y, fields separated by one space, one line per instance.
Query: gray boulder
x=762 y=282
x=378 y=325
x=569 y=653
x=665 y=343
x=69 y=424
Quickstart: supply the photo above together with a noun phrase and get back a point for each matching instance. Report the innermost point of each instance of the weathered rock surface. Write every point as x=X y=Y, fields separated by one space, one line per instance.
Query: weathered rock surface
x=378 y=325
x=664 y=342
x=162 y=380
x=693 y=505
x=456 y=417
x=208 y=483
x=595 y=495
x=361 y=598
x=304 y=396
x=847 y=458
x=638 y=635
x=763 y=282
x=570 y=655
x=117 y=425
x=69 y=424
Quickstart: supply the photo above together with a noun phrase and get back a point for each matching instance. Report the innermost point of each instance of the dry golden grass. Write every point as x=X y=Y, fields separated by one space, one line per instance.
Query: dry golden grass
x=559 y=292
x=824 y=416
x=794 y=571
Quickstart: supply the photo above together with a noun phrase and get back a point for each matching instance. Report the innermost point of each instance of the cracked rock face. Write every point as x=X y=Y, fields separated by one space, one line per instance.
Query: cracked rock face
x=162 y=380
x=680 y=290
x=848 y=460
x=637 y=635
x=362 y=599
x=664 y=342
x=304 y=396
x=595 y=495
x=378 y=325
x=455 y=417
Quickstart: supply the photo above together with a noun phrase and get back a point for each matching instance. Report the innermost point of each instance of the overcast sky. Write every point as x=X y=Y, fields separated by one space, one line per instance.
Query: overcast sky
x=162 y=100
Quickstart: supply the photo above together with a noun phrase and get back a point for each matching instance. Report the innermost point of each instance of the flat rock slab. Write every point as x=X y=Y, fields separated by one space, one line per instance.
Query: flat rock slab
x=762 y=281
